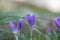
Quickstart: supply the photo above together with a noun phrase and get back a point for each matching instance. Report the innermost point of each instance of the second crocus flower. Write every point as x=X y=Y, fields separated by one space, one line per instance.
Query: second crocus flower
x=31 y=21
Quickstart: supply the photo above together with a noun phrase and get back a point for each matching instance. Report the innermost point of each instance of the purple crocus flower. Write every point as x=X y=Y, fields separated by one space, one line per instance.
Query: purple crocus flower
x=20 y=24
x=57 y=23
x=13 y=27
x=31 y=19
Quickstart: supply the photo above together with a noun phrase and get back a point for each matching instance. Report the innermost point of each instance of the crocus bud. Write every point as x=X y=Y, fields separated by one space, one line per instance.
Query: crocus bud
x=50 y=30
x=12 y=26
x=57 y=23
x=20 y=24
x=31 y=19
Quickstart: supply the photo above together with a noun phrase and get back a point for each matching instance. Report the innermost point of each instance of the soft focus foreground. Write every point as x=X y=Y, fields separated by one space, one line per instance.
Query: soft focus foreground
x=29 y=20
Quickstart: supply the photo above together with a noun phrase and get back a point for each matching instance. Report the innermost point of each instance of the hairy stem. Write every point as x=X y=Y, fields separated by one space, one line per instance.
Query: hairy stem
x=31 y=33
x=16 y=36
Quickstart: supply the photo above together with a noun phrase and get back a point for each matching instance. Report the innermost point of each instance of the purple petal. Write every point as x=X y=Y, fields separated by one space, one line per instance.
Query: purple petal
x=57 y=23
x=31 y=19
x=20 y=24
x=50 y=30
x=12 y=26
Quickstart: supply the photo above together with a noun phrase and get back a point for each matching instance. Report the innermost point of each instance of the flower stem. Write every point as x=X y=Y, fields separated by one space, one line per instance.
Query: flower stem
x=31 y=29
x=31 y=35
x=16 y=37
